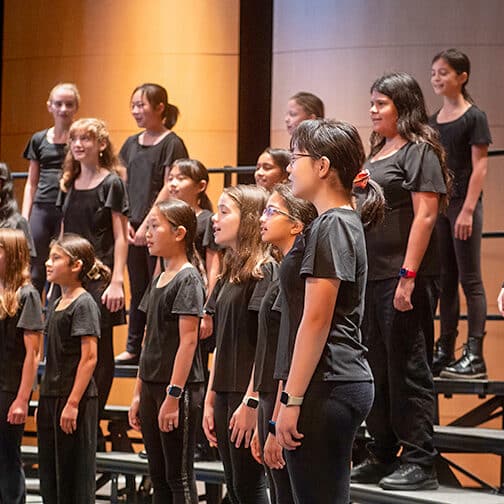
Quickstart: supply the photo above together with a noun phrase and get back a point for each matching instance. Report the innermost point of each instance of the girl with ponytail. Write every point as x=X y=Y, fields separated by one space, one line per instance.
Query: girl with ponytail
x=169 y=386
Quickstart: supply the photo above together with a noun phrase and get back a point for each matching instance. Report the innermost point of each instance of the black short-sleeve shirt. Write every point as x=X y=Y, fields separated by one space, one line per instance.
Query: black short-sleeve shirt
x=12 y=350
x=204 y=234
x=336 y=249
x=292 y=287
x=88 y=213
x=267 y=338
x=235 y=326
x=17 y=221
x=413 y=168
x=183 y=295
x=145 y=165
x=64 y=330
x=50 y=157
x=457 y=137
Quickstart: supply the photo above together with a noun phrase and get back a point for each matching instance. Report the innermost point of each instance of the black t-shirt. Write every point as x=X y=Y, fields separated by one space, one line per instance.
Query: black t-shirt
x=183 y=295
x=89 y=213
x=292 y=299
x=204 y=234
x=12 y=348
x=336 y=249
x=50 y=158
x=17 y=221
x=267 y=338
x=146 y=166
x=235 y=327
x=458 y=137
x=413 y=168
x=64 y=330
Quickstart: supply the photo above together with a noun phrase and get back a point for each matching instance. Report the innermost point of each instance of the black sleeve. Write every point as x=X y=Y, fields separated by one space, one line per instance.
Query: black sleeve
x=86 y=317
x=60 y=200
x=144 y=302
x=190 y=297
x=270 y=272
x=480 y=132
x=212 y=300
x=30 y=318
x=116 y=197
x=209 y=238
x=422 y=170
x=330 y=250
x=124 y=152
x=176 y=150
x=23 y=225
x=32 y=149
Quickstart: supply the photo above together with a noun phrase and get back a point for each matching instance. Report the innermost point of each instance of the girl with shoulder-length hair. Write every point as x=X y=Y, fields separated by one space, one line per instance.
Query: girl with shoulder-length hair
x=230 y=413
x=465 y=135
x=147 y=157
x=46 y=152
x=408 y=161
x=21 y=326
x=321 y=359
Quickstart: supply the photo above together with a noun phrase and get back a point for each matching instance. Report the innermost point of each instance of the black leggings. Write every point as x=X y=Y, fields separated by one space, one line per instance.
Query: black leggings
x=461 y=261
x=67 y=462
x=45 y=224
x=171 y=454
x=279 y=481
x=245 y=478
x=331 y=414
x=12 y=479
x=140 y=270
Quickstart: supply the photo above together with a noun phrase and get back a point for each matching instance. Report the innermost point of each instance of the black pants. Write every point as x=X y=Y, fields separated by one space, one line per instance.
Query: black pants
x=67 y=462
x=45 y=224
x=279 y=481
x=140 y=270
x=171 y=454
x=331 y=414
x=245 y=478
x=461 y=261
x=12 y=479
x=400 y=353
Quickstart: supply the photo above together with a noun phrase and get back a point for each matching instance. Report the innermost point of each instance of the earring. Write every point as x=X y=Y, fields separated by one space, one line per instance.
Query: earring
x=101 y=154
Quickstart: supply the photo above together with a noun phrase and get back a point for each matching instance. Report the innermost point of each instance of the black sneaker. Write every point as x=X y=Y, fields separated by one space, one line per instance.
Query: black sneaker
x=410 y=477
x=372 y=470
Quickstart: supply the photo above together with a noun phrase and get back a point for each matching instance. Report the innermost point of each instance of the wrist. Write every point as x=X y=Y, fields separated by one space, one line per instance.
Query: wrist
x=250 y=402
x=290 y=400
x=174 y=391
x=407 y=273
x=73 y=403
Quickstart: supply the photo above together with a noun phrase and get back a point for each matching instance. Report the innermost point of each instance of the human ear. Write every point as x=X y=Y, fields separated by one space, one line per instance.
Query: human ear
x=325 y=167
x=297 y=227
x=180 y=233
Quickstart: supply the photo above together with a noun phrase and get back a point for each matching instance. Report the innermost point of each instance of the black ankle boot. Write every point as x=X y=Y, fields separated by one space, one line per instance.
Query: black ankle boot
x=444 y=352
x=471 y=366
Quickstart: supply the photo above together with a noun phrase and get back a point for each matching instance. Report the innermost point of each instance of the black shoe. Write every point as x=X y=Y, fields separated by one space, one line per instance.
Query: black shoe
x=410 y=477
x=372 y=470
x=471 y=365
x=444 y=353
x=132 y=361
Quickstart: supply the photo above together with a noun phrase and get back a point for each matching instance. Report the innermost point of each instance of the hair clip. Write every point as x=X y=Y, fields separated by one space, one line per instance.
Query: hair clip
x=361 y=179
x=94 y=272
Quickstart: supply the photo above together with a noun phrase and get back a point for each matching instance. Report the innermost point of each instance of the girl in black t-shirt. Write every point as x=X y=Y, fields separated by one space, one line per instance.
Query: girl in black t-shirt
x=283 y=220
x=328 y=389
x=169 y=388
x=271 y=168
x=20 y=329
x=407 y=160
x=95 y=205
x=465 y=135
x=230 y=414
x=147 y=157
x=46 y=151
x=67 y=416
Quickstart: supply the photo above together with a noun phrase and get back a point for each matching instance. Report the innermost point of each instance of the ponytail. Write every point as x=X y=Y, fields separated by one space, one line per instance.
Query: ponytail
x=98 y=271
x=370 y=199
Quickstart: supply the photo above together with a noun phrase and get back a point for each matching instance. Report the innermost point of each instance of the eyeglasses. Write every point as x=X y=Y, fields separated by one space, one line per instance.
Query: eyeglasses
x=269 y=211
x=295 y=157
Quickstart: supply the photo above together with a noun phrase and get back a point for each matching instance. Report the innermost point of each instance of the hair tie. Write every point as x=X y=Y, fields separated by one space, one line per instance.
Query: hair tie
x=94 y=273
x=361 y=179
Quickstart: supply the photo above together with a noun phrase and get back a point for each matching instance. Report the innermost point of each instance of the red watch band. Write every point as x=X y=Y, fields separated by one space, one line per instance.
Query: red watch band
x=406 y=273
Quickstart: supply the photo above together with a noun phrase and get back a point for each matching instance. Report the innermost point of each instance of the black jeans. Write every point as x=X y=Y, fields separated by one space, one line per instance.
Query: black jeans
x=461 y=261
x=245 y=478
x=67 y=462
x=12 y=479
x=279 y=481
x=330 y=415
x=171 y=454
x=400 y=353
x=45 y=224
x=140 y=270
